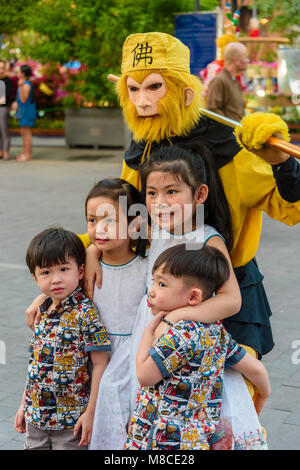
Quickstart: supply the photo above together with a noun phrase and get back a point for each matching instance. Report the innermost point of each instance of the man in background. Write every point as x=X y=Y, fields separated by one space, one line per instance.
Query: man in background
x=6 y=88
x=224 y=94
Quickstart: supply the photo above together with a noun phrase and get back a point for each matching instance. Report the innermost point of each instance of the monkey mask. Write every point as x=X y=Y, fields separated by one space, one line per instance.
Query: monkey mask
x=159 y=96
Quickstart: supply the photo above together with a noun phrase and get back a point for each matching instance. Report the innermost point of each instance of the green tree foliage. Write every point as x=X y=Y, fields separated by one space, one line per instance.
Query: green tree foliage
x=13 y=15
x=90 y=31
x=284 y=15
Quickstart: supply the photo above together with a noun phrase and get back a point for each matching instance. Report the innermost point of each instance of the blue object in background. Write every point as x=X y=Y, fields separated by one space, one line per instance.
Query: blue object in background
x=198 y=31
x=75 y=64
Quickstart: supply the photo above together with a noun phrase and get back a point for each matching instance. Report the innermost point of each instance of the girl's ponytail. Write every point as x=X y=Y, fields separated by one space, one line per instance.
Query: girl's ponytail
x=217 y=213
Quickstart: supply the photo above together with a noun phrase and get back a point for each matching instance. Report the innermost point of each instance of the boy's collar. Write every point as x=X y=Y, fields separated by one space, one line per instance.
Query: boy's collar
x=69 y=302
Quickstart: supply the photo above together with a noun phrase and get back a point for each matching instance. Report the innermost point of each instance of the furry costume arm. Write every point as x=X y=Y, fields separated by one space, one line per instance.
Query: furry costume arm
x=256 y=129
x=258 y=188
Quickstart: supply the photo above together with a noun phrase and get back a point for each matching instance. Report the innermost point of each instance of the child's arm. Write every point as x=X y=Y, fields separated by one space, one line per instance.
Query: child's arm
x=146 y=370
x=93 y=271
x=225 y=303
x=19 y=423
x=33 y=314
x=255 y=371
x=99 y=360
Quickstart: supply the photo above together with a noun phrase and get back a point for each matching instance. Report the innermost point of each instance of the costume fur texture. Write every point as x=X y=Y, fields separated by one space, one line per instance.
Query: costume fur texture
x=174 y=117
x=256 y=129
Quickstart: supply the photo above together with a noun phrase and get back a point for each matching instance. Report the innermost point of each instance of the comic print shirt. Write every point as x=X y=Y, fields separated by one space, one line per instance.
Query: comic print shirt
x=57 y=388
x=183 y=410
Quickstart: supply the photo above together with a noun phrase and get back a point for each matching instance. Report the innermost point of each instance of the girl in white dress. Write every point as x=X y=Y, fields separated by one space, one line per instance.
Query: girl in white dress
x=176 y=184
x=123 y=286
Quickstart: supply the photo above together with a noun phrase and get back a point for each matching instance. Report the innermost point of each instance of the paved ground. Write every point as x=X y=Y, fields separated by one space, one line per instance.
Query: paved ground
x=51 y=190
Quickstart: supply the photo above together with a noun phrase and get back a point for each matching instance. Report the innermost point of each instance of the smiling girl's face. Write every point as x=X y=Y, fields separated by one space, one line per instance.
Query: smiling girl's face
x=170 y=201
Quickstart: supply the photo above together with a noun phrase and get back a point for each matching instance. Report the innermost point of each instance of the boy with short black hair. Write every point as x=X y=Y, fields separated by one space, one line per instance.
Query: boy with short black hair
x=60 y=395
x=180 y=366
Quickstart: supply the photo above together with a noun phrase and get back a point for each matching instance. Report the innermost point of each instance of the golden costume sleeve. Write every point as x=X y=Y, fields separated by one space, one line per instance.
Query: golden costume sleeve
x=131 y=175
x=85 y=239
x=257 y=187
x=250 y=189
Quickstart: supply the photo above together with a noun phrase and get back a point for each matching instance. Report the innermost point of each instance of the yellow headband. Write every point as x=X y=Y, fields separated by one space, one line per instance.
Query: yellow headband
x=146 y=51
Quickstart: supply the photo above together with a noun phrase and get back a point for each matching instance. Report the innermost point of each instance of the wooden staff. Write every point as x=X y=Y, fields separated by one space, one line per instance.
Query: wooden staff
x=272 y=142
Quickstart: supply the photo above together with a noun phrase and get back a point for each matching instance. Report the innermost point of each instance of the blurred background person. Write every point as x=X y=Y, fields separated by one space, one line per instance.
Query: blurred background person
x=26 y=112
x=9 y=72
x=6 y=99
x=224 y=94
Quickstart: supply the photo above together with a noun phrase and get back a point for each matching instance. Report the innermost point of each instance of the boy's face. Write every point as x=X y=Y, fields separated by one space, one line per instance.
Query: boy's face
x=168 y=292
x=60 y=280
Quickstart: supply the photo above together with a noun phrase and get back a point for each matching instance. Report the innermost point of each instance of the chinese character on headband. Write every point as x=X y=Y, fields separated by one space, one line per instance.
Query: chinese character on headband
x=142 y=52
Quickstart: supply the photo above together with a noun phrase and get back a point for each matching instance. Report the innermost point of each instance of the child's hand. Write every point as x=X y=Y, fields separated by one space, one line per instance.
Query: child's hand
x=19 y=423
x=14 y=106
x=85 y=422
x=270 y=155
x=163 y=327
x=93 y=271
x=186 y=314
x=33 y=314
x=155 y=322
x=259 y=403
x=227 y=441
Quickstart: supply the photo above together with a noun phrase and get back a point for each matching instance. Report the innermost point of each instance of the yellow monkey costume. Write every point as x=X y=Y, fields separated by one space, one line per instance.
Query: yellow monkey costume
x=251 y=184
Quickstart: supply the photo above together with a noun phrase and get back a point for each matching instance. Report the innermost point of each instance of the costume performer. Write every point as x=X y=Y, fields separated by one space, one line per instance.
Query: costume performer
x=161 y=102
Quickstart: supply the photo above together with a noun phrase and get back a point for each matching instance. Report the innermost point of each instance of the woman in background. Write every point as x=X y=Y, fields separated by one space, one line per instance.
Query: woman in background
x=26 y=112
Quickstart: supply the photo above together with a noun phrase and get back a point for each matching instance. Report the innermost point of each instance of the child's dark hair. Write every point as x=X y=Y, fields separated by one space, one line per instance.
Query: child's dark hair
x=195 y=166
x=207 y=266
x=54 y=246
x=114 y=188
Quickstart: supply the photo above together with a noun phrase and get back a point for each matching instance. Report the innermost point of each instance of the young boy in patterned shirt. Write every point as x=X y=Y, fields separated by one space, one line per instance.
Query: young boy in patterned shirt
x=180 y=366
x=58 y=403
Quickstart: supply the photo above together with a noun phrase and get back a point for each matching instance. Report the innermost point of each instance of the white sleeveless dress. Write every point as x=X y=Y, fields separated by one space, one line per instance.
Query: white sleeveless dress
x=118 y=300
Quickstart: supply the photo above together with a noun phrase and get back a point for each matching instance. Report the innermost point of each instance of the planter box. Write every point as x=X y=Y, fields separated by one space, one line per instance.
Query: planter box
x=40 y=132
x=93 y=127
